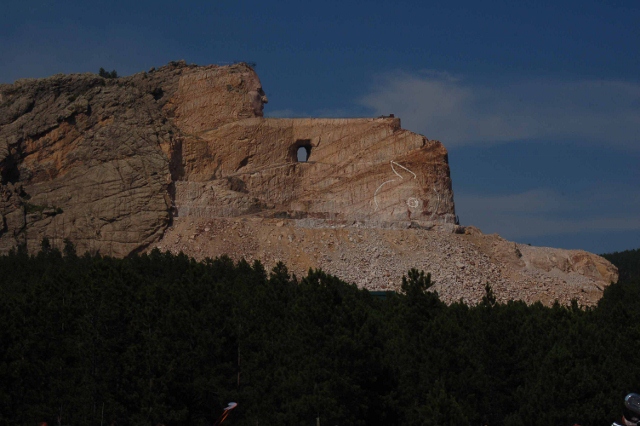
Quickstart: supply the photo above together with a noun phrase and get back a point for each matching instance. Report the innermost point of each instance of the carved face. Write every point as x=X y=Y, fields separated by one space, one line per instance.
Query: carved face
x=256 y=95
x=258 y=98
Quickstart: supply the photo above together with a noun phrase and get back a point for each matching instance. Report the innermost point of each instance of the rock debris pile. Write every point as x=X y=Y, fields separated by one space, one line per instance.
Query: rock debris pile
x=376 y=258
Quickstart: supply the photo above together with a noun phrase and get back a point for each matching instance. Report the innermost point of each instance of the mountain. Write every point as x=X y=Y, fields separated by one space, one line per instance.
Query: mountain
x=181 y=158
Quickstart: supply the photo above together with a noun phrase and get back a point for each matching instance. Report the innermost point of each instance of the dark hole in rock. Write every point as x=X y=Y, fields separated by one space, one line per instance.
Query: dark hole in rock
x=243 y=163
x=303 y=154
x=299 y=151
x=157 y=93
x=9 y=171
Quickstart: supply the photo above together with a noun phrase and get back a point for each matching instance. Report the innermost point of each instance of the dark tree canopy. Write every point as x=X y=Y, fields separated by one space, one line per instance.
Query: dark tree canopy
x=161 y=338
x=106 y=74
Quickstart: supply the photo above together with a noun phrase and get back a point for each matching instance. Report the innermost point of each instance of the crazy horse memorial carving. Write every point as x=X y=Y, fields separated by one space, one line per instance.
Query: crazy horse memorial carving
x=123 y=165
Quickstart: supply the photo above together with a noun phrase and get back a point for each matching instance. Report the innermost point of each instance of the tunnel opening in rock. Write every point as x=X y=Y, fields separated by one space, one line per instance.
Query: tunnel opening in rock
x=303 y=154
x=301 y=151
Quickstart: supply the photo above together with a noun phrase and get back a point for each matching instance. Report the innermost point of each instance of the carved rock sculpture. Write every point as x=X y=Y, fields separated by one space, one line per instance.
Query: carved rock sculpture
x=107 y=162
x=112 y=164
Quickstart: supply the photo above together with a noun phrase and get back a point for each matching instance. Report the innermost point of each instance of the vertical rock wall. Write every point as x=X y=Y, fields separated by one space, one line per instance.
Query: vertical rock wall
x=108 y=162
x=358 y=169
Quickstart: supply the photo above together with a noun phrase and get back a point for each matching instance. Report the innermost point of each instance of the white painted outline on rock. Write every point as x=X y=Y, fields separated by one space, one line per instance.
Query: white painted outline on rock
x=413 y=202
x=392 y=180
x=399 y=165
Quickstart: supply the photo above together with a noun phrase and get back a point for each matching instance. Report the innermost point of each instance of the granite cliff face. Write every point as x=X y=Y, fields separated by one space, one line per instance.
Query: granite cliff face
x=81 y=158
x=357 y=169
x=124 y=165
x=109 y=162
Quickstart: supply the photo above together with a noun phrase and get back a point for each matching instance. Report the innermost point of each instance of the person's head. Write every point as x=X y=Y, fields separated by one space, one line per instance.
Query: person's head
x=257 y=97
x=254 y=97
x=631 y=410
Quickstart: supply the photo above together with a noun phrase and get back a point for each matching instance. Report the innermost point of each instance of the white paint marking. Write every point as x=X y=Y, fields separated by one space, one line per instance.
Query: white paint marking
x=392 y=180
x=399 y=165
x=376 y=193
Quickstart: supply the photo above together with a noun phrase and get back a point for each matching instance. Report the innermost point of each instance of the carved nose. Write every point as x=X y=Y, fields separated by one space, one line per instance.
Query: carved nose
x=264 y=99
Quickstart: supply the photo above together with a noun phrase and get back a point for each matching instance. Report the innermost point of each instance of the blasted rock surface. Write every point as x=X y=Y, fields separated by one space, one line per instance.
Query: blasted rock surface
x=376 y=257
x=357 y=169
x=109 y=162
x=182 y=159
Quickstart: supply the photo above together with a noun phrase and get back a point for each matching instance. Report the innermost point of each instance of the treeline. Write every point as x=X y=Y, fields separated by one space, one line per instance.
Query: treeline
x=628 y=263
x=163 y=339
x=106 y=74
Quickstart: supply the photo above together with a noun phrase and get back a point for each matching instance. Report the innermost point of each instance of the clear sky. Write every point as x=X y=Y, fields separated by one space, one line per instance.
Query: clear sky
x=538 y=102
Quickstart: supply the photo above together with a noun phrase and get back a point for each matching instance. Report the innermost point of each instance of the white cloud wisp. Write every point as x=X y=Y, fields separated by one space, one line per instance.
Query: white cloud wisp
x=543 y=212
x=457 y=112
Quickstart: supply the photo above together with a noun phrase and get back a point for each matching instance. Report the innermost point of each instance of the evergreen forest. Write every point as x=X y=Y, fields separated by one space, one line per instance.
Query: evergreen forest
x=161 y=339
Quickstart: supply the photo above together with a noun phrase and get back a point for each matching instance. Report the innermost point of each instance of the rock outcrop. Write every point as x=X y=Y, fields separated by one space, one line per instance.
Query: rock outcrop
x=80 y=158
x=124 y=165
x=109 y=162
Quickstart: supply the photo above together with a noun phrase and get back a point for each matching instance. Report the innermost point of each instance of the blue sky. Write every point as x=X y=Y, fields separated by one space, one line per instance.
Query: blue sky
x=538 y=102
